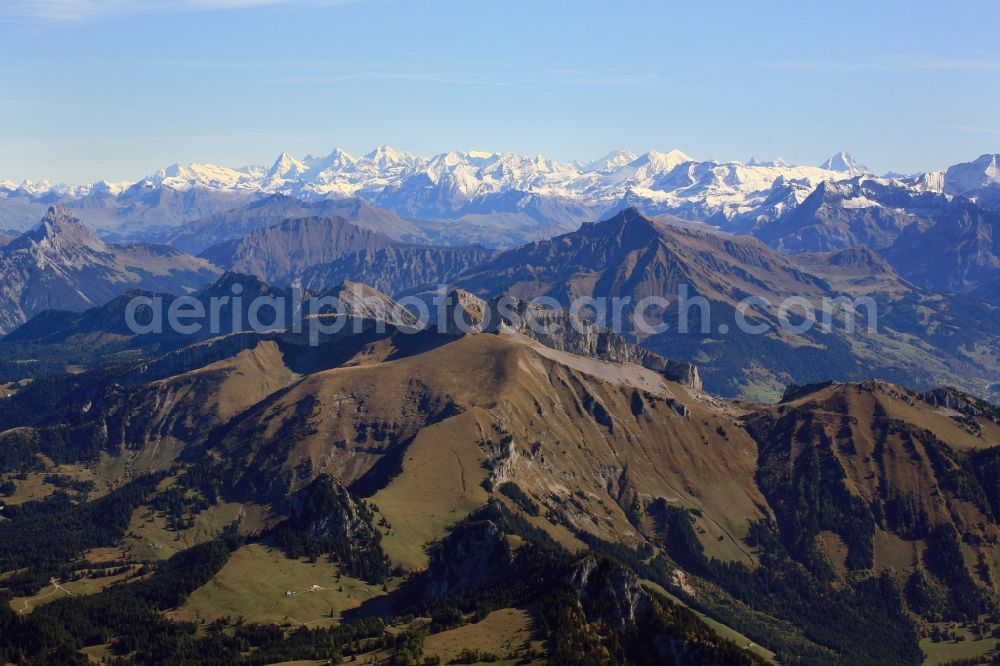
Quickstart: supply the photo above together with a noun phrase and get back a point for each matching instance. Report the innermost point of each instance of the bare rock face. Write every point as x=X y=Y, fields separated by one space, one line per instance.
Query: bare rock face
x=561 y=330
x=473 y=555
x=326 y=508
x=651 y=629
x=361 y=301
x=325 y=518
x=624 y=603
x=963 y=403
x=465 y=312
x=558 y=329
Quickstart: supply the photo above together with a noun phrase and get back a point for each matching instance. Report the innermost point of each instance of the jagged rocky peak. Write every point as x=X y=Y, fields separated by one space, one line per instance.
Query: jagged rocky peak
x=883 y=387
x=326 y=508
x=845 y=163
x=623 y=602
x=286 y=166
x=60 y=227
x=360 y=300
x=951 y=398
x=464 y=313
x=629 y=229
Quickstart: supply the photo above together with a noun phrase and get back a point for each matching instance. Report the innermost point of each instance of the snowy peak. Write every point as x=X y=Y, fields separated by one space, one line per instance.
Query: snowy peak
x=546 y=196
x=777 y=162
x=184 y=176
x=611 y=161
x=968 y=178
x=30 y=187
x=336 y=160
x=844 y=162
x=663 y=162
x=286 y=167
x=385 y=157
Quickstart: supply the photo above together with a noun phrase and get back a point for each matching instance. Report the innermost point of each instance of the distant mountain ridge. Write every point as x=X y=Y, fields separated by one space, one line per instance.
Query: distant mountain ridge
x=235 y=223
x=62 y=265
x=321 y=252
x=455 y=184
x=632 y=256
x=398 y=270
x=497 y=199
x=941 y=242
x=293 y=245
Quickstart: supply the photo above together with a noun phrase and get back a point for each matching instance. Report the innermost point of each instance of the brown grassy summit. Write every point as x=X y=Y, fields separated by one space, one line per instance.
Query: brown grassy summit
x=585 y=437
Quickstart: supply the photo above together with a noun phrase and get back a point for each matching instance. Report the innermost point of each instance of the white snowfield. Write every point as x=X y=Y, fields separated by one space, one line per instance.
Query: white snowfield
x=457 y=183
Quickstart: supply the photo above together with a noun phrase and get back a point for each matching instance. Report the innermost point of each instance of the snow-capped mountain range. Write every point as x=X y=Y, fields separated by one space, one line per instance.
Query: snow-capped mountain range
x=534 y=197
x=454 y=184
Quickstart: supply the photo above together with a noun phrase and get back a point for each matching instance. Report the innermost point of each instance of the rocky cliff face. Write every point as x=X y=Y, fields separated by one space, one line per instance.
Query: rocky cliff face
x=324 y=518
x=358 y=300
x=649 y=628
x=580 y=337
x=557 y=329
x=963 y=403
x=464 y=312
x=325 y=508
x=472 y=556
x=615 y=591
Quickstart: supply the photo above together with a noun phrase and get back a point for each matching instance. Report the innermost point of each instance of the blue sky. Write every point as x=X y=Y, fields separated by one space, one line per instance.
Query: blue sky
x=118 y=88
